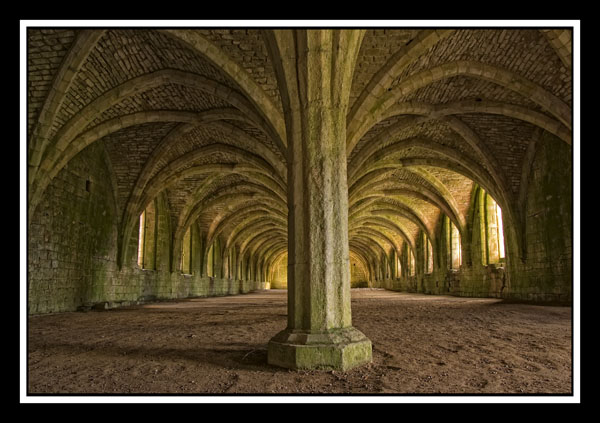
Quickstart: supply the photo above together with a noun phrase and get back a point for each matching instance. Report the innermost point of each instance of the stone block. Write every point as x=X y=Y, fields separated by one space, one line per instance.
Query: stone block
x=338 y=349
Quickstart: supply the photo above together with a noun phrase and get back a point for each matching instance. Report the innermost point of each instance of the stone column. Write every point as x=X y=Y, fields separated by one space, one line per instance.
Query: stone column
x=315 y=71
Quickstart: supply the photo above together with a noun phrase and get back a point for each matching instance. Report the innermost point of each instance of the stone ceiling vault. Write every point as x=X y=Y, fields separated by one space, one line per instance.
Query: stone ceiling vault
x=198 y=115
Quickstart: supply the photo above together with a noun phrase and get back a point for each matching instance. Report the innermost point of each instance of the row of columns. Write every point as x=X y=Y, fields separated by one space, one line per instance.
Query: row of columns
x=226 y=263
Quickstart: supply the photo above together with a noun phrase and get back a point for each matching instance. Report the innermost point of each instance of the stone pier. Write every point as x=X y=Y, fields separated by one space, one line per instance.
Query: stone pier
x=319 y=334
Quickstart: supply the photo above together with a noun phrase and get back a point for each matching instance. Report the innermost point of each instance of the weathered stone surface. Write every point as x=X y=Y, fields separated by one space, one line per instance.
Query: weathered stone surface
x=319 y=333
x=338 y=349
x=334 y=152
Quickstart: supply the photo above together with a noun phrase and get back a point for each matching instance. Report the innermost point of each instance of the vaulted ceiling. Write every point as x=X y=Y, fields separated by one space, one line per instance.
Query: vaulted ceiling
x=196 y=114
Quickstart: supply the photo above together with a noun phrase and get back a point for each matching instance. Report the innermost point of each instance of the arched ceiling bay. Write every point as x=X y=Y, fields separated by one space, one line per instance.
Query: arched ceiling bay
x=196 y=115
x=450 y=108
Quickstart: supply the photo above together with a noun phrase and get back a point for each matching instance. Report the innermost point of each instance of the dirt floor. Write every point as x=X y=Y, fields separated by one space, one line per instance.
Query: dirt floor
x=422 y=344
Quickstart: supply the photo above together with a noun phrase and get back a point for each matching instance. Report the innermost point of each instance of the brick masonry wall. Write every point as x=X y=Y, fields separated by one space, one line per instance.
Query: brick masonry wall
x=46 y=50
x=72 y=249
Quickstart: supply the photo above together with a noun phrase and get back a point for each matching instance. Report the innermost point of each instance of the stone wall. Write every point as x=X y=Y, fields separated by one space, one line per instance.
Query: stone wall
x=71 y=237
x=545 y=274
x=72 y=242
x=72 y=249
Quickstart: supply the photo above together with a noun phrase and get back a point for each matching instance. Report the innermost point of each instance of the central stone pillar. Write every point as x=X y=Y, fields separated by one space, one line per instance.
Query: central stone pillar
x=319 y=334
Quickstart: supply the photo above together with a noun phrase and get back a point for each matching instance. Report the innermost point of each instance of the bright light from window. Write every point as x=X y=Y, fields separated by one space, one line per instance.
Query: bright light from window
x=429 y=257
x=456 y=249
x=140 y=260
x=210 y=263
x=186 y=253
x=500 y=231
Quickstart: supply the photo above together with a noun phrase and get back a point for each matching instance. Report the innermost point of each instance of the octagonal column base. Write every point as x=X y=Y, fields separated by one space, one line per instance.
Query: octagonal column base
x=338 y=349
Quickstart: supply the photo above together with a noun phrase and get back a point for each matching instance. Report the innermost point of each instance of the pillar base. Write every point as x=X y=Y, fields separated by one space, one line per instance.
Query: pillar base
x=338 y=349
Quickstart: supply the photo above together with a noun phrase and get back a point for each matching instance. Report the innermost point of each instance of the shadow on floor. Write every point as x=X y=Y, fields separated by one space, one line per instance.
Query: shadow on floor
x=242 y=356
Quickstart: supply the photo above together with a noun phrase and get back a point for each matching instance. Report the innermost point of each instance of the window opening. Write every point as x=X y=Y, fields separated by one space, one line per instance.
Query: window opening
x=210 y=261
x=494 y=231
x=454 y=245
x=186 y=253
x=141 y=235
x=427 y=254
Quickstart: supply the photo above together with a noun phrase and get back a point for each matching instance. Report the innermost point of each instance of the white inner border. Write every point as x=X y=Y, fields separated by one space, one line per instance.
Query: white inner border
x=24 y=398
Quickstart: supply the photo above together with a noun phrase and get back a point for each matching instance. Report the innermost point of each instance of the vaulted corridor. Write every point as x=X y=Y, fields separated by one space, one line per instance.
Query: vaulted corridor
x=168 y=163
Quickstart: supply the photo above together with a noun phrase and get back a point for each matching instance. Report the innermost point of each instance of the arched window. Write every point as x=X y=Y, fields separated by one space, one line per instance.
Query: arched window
x=494 y=232
x=411 y=267
x=141 y=236
x=229 y=272
x=398 y=267
x=186 y=253
x=386 y=268
x=427 y=254
x=453 y=245
x=146 y=255
x=210 y=261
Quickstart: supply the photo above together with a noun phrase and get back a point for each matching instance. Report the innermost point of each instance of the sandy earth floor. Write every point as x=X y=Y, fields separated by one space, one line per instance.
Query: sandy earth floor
x=421 y=344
